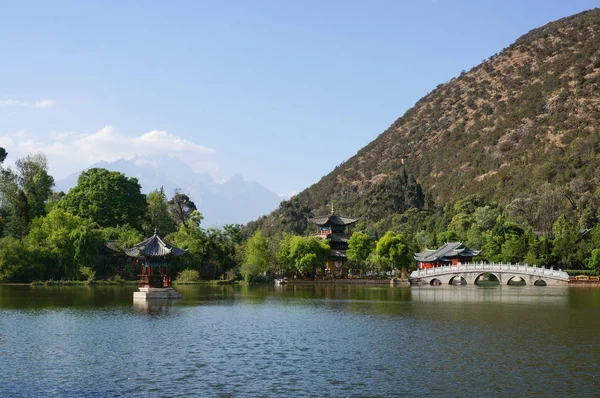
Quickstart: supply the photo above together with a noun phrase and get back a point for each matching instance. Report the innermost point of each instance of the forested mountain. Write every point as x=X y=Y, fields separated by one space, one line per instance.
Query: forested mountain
x=521 y=130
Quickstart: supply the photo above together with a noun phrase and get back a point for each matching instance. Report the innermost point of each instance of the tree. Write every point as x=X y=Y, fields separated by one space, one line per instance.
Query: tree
x=121 y=237
x=34 y=180
x=308 y=254
x=87 y=242
x=18 y=224
x=234 y=233
x=17 y=264
x=256 y=256
x=565 y=238
x=24 y=192
x=159 y=216
x=52 y=238
x=3 y=155
x=107 y=197
x=359 y=248
x=195 y=240
x=181 y=207
x=594 y=261
x=392 y=252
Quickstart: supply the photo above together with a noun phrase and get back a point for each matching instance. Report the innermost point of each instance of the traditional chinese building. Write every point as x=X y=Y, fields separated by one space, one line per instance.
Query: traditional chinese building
x=337 y=230
x=153 y=256
x=451 y=253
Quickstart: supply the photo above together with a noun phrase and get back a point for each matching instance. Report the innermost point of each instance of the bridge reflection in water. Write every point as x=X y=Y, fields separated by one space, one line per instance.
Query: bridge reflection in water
x=473 y=294
x=504 y=273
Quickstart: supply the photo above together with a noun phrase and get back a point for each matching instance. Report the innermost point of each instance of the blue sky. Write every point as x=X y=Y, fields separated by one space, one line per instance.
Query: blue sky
x=278 y=91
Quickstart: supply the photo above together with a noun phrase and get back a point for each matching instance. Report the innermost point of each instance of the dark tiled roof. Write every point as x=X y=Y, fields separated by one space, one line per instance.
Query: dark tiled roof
x=338 y=253
x=333 y=219
x=110 y=247
x=338 y=238
x=449 y=249
x=154 y=246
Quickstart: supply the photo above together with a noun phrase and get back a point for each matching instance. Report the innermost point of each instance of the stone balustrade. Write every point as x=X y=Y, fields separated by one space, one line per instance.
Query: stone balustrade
x=503 y=271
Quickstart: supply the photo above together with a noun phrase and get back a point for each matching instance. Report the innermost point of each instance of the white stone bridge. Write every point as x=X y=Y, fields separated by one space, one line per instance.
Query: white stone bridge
x=470 y=273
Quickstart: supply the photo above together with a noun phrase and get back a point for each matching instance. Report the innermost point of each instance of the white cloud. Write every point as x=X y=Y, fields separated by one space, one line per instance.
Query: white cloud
x=45 y=103
x=41 y=103
x=70 y=152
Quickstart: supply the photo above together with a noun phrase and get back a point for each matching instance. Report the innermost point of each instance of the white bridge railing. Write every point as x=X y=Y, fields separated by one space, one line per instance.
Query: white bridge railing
x=493 y=267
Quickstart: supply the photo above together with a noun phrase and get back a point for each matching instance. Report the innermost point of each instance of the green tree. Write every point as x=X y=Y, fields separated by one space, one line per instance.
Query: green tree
x=107 y=197
x=117 y=263
x=34 y=180
x=24 y=192
x=19 y=219
x=192 y=237
x=87 y=242
x=181 y=207
x=359 y=248
x=159 y=216
x=565 y=238
x=256 y=256
x=392 y=252
x=17 y=263
x=52 y=238
x=308 y=254
x=594 y=261
x=284 y=261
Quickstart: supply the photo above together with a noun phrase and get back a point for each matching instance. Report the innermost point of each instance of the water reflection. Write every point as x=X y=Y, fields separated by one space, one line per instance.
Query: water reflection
x=154 y=306
x=304 y=340
x=529 y=295
x=81 y=296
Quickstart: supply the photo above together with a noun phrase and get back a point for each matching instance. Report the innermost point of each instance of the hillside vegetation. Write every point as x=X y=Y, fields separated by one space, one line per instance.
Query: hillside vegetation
x=519 y=131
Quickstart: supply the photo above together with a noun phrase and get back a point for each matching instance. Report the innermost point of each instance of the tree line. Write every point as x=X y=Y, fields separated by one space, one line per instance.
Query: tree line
x=48 y=235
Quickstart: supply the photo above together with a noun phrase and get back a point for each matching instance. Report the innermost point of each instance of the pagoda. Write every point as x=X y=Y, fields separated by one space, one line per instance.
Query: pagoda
x=153 y=254
x=337 y=230
x=450 y=253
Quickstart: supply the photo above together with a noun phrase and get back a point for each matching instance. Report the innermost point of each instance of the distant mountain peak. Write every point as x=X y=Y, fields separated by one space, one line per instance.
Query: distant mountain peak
x=236 y=201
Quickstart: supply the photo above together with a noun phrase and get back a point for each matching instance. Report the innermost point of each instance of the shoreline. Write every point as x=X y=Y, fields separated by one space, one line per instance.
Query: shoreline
x=397 y=282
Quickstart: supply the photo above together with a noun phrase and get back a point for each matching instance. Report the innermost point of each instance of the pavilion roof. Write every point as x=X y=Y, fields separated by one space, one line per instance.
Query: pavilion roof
x=155 y=246
x=446 y=251
x=338 y=253
x=333 y=219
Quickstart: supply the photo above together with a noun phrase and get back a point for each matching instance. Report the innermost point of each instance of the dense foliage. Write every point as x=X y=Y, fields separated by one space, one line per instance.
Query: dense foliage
x=107 y=197
x=46 y=235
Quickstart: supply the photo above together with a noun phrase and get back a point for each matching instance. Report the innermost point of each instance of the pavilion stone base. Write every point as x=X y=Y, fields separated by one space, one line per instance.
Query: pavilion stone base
x=151 y=293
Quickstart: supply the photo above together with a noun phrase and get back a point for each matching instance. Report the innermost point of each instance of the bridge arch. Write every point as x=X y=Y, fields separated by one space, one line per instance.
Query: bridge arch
x=540 y=282
x=435 y=282
x=516 y=280
x=494 y=278
x=457 y=280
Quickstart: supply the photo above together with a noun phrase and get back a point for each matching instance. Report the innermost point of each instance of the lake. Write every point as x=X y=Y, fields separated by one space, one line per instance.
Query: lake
x=307 y=340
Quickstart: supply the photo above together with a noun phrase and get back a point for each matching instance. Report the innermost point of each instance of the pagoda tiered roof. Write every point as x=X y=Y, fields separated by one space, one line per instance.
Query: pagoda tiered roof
x=155 y=246
x=333 y=219
x=445 y=252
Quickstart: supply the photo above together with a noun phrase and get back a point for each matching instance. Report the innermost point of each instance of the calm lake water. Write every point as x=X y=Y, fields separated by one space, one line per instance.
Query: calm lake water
x=293 y=341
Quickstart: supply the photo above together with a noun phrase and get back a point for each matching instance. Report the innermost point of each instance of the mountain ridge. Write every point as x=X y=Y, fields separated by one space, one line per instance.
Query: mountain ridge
x=523 y=122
